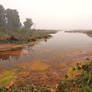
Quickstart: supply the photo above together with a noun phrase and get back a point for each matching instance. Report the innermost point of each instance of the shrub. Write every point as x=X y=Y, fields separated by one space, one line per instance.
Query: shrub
x=85 y=67
x=45 y=89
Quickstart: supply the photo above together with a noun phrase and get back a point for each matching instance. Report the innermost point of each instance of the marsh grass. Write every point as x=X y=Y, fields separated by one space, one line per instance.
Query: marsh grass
x=6 y=78
x=23 y=36
x=80 y=81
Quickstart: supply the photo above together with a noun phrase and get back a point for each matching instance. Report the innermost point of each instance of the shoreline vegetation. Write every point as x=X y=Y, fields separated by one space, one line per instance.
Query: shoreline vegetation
x=77 y=79
x=24 y=36
x=16 y=40
x=87 y=32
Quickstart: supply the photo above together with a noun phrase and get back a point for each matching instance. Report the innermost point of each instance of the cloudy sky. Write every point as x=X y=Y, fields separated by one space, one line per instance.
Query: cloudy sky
x=54 y=14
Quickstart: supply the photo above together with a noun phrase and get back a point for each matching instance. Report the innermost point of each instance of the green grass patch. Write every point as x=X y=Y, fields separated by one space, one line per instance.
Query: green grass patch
x=3 y=34
x=6 y=78
x=22 y=35
x=81 y=80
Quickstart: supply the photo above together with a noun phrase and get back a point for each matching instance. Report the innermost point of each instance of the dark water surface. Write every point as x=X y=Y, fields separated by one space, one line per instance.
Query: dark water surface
x=63 y=46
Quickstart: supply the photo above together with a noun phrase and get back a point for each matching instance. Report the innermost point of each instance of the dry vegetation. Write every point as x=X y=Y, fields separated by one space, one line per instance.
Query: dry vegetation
x=78 y=79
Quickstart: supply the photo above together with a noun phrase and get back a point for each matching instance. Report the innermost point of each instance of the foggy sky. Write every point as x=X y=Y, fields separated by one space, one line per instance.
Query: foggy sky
x=54 y=14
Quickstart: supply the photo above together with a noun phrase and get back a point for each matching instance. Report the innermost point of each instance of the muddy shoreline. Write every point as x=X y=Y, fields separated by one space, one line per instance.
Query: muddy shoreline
x=38 y=63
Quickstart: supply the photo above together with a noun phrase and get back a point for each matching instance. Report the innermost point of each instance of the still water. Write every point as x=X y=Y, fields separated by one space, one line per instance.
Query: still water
x=62 y=46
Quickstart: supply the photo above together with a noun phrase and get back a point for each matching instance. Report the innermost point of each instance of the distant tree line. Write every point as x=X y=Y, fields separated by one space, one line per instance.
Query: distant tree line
x=10 y=19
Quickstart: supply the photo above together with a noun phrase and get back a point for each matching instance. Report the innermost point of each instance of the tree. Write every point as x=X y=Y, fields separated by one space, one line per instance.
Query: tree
x=28 y=23
x=13 y=20
x=2 y=16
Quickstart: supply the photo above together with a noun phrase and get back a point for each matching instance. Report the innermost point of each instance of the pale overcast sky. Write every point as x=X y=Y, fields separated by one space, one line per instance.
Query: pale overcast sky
x=54 y=14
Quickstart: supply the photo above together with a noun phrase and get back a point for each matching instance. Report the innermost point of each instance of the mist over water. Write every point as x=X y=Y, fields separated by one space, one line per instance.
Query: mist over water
x=51 y=50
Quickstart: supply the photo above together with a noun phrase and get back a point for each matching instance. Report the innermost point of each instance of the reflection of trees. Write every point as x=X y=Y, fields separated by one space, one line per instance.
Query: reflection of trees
x=15 y=55
x=30 y=48
x=4 y=57
x=45 y=40
x=7 y=55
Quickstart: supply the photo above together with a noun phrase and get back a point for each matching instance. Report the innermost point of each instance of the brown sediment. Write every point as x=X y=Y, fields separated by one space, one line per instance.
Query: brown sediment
x=34 y=66
x=14 y=47
x=43 y=73
x=2 y=69
x=40 y=73
x=10 y=47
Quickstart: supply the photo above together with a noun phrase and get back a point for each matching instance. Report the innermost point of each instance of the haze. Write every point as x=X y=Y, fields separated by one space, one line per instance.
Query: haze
x=54 y=14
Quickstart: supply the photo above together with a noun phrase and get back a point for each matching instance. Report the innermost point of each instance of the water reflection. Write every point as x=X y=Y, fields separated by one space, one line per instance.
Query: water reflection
x=88 y=33
x=55 y=49
x=10 y=54
x=15 y=55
